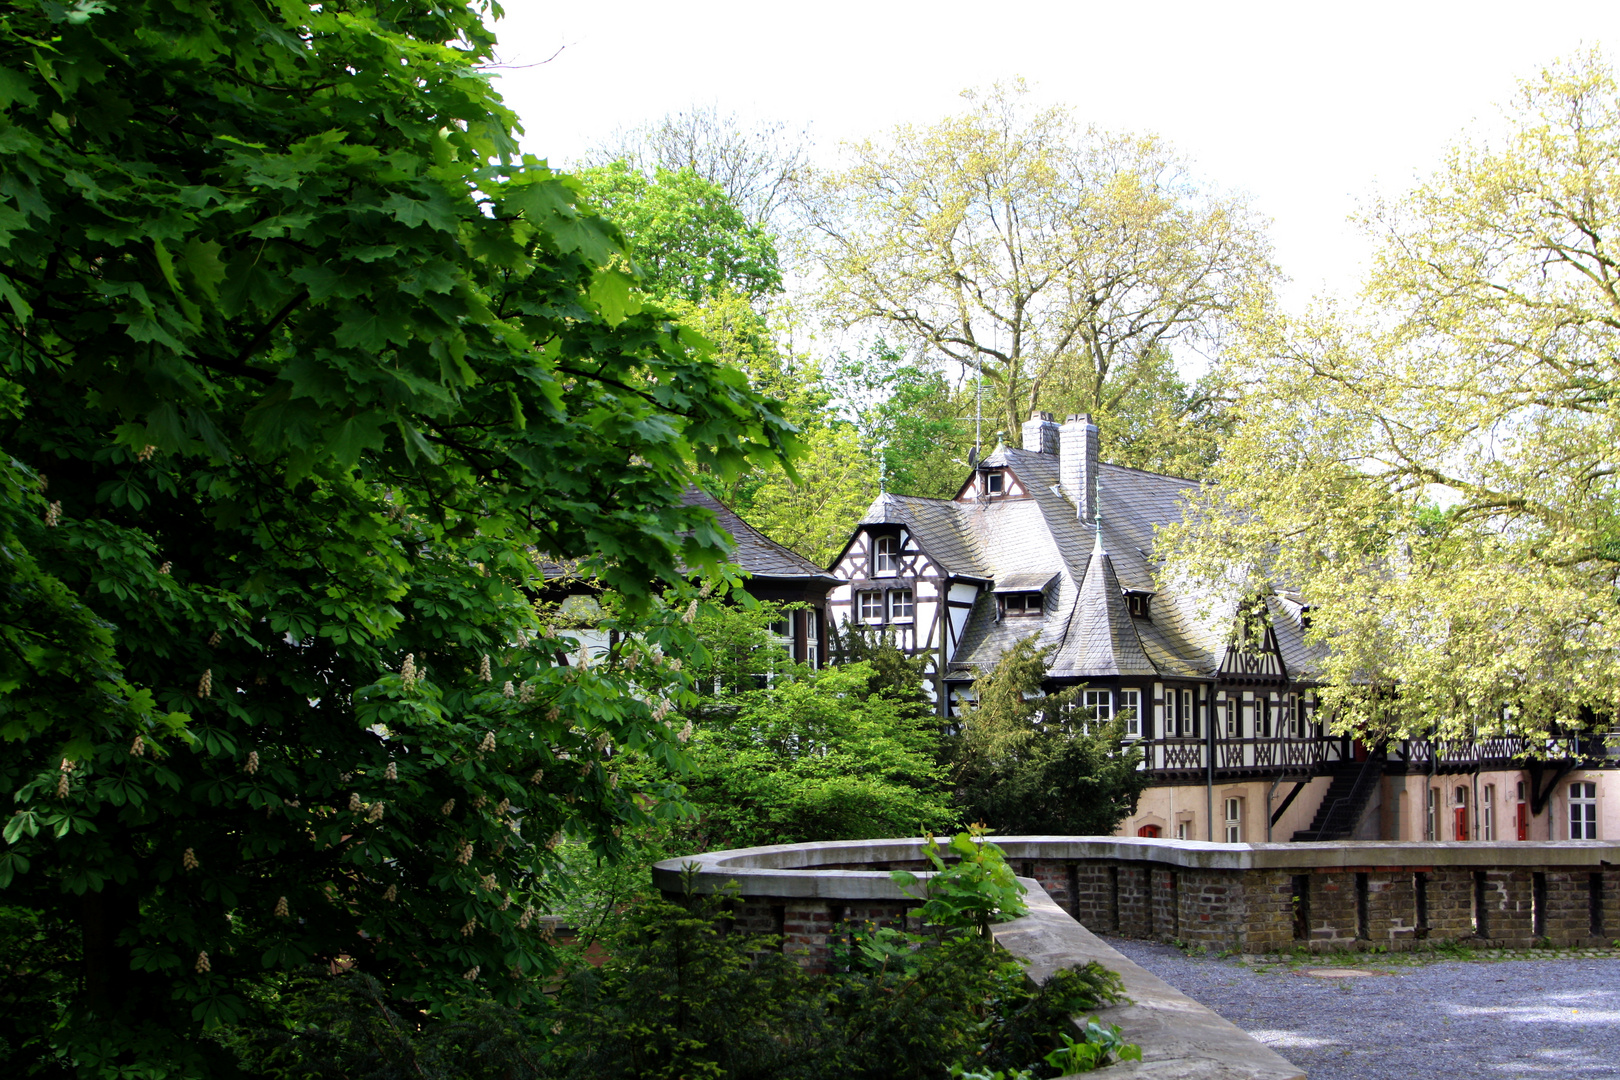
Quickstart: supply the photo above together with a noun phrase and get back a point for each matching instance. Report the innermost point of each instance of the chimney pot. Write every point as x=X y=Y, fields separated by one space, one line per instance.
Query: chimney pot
x=1040 y=433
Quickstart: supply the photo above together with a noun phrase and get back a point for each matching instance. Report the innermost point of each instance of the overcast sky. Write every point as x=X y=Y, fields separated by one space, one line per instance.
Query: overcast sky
x=1307 y=107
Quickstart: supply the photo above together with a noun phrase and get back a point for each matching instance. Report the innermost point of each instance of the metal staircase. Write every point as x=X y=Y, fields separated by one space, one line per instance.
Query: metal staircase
x=1345 y=799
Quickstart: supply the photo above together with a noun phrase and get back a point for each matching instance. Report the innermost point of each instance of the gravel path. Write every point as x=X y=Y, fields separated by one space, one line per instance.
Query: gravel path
x=1431 y=1019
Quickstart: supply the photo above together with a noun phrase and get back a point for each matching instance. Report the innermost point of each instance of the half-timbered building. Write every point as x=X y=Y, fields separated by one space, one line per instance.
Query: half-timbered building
x=1045 y=541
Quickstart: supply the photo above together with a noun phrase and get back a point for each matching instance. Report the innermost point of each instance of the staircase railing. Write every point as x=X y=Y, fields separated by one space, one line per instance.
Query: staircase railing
x=1342 y=815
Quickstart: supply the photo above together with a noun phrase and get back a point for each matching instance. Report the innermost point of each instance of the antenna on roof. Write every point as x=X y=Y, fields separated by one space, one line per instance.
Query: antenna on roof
x=883 y=471
x=978 y=414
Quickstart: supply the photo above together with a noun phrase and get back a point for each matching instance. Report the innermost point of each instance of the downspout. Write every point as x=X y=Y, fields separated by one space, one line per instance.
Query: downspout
x=1209 y=773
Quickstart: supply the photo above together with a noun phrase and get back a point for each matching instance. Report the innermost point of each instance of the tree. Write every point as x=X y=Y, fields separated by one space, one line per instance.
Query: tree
x=1028 y=763
x=760 y=168
x=1433 y=471
x=1025 y=249
x=782 y=753
x=303 y=366
x=690 y=240
x=911 y=417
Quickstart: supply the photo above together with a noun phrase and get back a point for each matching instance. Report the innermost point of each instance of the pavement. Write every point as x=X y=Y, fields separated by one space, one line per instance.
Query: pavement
x=1364 y=1016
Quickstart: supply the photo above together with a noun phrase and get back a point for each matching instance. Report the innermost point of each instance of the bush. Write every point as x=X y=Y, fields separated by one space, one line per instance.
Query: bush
x=682 y=998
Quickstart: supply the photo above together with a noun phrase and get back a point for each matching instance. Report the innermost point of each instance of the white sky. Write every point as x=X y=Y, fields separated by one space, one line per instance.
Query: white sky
x=1307 y=107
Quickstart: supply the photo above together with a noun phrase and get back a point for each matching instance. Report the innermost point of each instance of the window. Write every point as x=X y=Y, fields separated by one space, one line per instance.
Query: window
x=1431 y=827
x=1234 y=720
x=993 y=483
x=887 y=552
x=1179 y=709
x=1022 y=603
x=812 y=638
x=1583 y=811
x=1487 y=813
x=1101 y=704
x=780 y=628
x=1137 y=604
x=1181 y=829
x=1234 y=821
x=1521 y=791
x=1130 y=707
x=1262 y=718
x=871 y=606
x=901 y=605
x=1292 y=723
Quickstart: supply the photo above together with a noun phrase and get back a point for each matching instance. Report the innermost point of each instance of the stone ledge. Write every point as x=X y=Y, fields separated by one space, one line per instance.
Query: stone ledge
x=1179 y=1037
x=794 y=859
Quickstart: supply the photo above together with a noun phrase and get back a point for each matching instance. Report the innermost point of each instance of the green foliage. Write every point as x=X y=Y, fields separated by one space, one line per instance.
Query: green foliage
x=349 y=1026
x=1028 y=764
x=909 y=415
x=1101 y=1045
x=686 y=236
x=824 y=755
x=1475 y=371
x=975 y=889
x=678 y=994
x=302 y=366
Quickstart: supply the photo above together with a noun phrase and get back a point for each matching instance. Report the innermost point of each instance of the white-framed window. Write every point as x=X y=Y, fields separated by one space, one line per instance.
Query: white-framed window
x=1181 y=829
x=1100 y=702
x=1583 y=810
x=871 y=606
x=1187 y=717
x=812 y=638
x=1234 y=821
x=901 y=605
x=781 y=628
x=1487 y=813
x=1262 y=718
x=994 y=483
x=1431 y=826
x=1130 y=706
x=1292 y=723
x=886 y=555
x=1234 y=720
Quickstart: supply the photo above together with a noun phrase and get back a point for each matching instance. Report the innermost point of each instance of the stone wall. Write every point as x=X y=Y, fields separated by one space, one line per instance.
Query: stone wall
x=1254 y=898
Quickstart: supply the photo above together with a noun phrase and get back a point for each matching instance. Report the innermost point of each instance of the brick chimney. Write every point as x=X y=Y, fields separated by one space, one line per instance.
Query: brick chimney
x=1077 y=464
x=1041 y=433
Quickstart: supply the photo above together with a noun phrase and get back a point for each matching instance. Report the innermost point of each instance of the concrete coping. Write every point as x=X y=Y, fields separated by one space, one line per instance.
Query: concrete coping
x=797 y=870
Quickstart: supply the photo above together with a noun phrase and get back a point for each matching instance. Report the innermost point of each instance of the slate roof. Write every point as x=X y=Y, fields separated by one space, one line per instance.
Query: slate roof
x=753 y=550
x=1101 y=637
x=1041 y=538
x=937 y=526
x=1038 y=581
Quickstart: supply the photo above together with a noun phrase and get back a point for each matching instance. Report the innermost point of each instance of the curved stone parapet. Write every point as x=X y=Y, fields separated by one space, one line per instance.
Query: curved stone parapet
x=1255 y=898
x=806 y=892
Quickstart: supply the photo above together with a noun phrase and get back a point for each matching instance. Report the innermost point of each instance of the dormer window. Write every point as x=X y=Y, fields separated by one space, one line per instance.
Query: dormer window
x=886 y=555
x=1138 y=603
x=994 y=483
x=1021 y=603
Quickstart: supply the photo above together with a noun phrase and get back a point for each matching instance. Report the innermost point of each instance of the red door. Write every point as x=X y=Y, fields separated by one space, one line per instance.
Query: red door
x=1524 y=821
x=1462 y=822
x=1150 y=831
